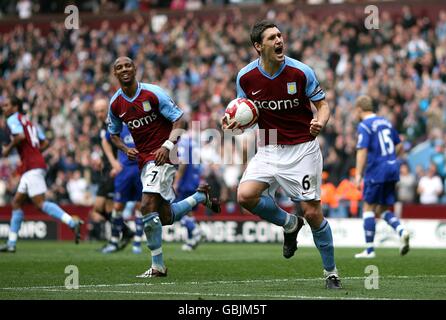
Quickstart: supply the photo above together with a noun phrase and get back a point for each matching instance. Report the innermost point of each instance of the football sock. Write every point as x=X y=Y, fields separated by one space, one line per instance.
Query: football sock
x=369 y=229
x=290 y=223
x=323 y=240
x=153 y=231
x=393 y=221
x=117 y=224
x=139 y=226
x=55 y=211
x=189 y=223
x=16 y=222
x=269 y=211
x=180 y=208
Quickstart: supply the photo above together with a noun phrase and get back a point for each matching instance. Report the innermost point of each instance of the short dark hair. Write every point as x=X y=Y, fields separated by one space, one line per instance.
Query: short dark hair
x=258 y=29
x=16 y=102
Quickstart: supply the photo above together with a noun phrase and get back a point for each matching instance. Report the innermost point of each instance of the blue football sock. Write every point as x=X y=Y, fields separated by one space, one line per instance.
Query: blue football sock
x=323 y=240
x=393 y=221
x=181 y=208
x=270 y=211
x=55 y=211
x=369 y=229
x=189 y=223
x=139 y=226
x=16 y=222
x=153 y=231
x=117 y=225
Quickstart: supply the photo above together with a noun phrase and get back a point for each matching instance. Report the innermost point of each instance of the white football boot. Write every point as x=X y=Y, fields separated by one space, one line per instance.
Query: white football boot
x=365 y=255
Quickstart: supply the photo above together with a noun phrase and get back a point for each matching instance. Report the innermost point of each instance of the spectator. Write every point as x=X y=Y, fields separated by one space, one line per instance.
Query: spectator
x=349 y=196
x=406 y=187
x=77 y=188
x=440 y=30
x=24 y=9
x=329 y=200
x=430 y=186
x=439 y=159
x=131 y=5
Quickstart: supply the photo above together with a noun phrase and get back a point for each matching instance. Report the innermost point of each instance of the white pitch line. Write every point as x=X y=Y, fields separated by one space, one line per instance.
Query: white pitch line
x=226 y=295
x=217 y=282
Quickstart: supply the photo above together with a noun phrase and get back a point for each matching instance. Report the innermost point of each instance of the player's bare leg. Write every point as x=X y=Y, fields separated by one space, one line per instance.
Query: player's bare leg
x=250 y=196
x=98 y=214
x=58 y=213
x=369 y=216
x=16 y=222
x=103 y=207
x=323 y=239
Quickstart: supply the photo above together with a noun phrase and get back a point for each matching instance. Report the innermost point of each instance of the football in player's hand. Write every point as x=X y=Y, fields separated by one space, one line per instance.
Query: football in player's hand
x=243 y=111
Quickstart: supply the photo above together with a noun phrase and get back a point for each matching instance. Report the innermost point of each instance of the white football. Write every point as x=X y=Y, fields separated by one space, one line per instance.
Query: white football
x=242 y=110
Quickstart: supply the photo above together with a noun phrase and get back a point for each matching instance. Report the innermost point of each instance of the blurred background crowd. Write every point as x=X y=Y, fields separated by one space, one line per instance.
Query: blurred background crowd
x=26 y=8
x=59 y=73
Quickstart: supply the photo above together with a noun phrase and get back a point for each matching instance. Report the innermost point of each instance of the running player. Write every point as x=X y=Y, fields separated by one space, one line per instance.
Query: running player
x=29 y=141
x=284 y=90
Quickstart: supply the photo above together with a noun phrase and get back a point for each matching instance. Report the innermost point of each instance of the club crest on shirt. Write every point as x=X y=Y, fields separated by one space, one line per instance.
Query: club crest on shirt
x=292 y=88
x=146 y=106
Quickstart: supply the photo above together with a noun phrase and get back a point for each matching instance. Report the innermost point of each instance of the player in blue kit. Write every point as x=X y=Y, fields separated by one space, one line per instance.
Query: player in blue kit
x=128 y=187
x=377 y=163
x=187 y=181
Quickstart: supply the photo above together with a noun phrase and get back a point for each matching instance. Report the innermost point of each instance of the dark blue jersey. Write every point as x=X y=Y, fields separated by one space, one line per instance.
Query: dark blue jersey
x=377 y=135
x=126 y=137
x=191 y=177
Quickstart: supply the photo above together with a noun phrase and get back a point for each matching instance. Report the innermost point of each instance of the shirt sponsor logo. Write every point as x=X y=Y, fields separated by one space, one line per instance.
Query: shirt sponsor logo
x=137 y=123
x=277 y=104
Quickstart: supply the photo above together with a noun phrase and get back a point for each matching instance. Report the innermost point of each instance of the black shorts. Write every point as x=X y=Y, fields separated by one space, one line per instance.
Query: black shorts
x=106 y=187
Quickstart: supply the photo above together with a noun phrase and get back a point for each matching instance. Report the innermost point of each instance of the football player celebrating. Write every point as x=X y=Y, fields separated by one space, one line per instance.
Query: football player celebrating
x=151 y=116
x=284 y=89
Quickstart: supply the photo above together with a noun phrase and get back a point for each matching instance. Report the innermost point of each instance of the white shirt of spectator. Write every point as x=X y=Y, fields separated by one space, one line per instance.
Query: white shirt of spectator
x=24 y=8
x=77 y=190
x=431 y=188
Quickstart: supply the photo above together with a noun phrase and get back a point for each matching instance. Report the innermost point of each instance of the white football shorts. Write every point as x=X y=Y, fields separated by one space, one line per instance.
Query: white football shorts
x=297 y=169
x=33 y=183
x=159 y=179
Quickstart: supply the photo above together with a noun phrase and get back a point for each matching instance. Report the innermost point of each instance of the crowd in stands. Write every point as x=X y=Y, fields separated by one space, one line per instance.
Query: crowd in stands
x=402 y=66
x=25 y=9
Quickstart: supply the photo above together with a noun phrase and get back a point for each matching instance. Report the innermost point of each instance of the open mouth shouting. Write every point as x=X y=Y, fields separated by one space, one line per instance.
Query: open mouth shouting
x=279 y=51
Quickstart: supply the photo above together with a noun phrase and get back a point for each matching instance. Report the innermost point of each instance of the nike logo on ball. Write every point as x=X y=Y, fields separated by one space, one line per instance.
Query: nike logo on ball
x=255 y=92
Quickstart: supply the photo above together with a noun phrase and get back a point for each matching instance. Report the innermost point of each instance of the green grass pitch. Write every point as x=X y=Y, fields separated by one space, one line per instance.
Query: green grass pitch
x=216 y=271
